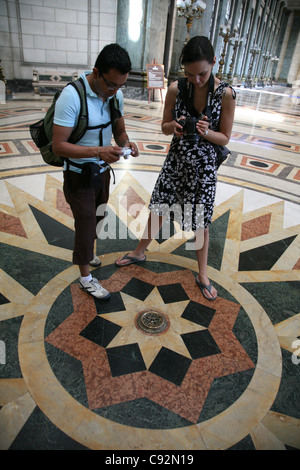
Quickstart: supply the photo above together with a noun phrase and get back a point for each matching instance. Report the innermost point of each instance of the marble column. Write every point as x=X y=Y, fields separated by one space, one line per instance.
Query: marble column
x=141 y=30
x=294 y=72
x=284 y=46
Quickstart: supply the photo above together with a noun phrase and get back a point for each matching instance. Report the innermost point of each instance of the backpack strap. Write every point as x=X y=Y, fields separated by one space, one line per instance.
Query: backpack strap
x=80 y=165
x=115 y=112
x=83 y=117
x=82 y=124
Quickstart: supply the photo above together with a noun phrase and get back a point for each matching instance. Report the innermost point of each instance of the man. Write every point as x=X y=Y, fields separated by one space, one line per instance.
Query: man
x=109 y=74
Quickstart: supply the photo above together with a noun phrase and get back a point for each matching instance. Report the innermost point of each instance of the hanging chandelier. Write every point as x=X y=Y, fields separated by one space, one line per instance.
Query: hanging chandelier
x=190 y=9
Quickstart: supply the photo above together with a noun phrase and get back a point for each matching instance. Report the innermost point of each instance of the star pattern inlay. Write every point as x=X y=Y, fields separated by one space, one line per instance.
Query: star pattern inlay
x=105 y=388
x=150 y=345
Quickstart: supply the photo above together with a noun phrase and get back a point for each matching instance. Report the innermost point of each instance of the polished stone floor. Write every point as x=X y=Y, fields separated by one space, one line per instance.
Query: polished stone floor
x=76 y=373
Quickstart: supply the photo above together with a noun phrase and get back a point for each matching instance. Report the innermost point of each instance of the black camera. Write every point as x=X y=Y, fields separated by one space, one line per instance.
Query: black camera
x=189 y=129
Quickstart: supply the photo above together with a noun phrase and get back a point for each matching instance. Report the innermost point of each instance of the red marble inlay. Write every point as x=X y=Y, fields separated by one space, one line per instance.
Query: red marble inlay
x=297 y=265
x=297 y=176
x=187 y=399
x=32 y=145
x=246 y=161
x=62 y=205
x=132 y=202
x=5 y=149
x=256 y=227
x=12 y=225
x=154 y=147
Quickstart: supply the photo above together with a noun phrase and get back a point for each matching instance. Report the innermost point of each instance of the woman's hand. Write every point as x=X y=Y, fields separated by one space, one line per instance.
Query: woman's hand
x=178 y=129
x=202 y=126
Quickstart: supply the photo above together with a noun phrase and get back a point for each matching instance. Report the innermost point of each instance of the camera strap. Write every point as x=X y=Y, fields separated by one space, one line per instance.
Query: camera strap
x=186 y=90
x=210 y=94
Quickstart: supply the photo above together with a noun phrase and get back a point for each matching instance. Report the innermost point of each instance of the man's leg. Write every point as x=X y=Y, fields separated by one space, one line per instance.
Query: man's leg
x=82 y=203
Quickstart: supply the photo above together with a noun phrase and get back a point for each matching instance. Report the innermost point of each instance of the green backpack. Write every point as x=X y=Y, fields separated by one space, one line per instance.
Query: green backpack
x=41 y=131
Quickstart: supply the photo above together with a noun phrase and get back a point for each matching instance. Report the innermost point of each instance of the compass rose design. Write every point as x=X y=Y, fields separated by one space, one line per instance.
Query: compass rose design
x=86 y=365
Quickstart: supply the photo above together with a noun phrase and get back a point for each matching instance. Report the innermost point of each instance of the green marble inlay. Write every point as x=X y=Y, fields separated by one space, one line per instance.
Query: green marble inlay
x=31 y=270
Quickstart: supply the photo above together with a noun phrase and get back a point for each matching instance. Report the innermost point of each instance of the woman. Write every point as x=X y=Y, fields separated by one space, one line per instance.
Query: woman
x=189 y=175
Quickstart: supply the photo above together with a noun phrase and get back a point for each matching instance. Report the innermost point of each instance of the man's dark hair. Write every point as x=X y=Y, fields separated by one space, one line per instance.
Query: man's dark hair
x=197 y=49
x=113 y=56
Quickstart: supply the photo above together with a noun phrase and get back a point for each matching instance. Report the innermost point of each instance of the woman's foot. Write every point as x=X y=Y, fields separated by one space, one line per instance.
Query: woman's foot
x=207 y=289
x=130 y=258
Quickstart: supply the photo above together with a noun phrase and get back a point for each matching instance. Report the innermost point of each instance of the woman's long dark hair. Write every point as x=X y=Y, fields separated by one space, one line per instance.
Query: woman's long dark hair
x=198 y=48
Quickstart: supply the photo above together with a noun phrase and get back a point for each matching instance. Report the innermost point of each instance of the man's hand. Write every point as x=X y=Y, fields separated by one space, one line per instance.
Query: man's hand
x=110 y=154
x=134 y=149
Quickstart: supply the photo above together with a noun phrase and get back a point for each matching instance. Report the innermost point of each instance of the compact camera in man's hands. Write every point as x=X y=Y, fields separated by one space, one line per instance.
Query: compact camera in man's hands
x=189 y=128
x=126 y=152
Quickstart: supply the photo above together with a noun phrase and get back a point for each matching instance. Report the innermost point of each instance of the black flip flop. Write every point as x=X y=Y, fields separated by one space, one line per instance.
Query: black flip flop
x=131 y=260
x=204 y=286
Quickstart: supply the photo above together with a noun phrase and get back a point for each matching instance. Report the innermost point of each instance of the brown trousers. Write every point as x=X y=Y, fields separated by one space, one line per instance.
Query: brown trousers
x=84 y=203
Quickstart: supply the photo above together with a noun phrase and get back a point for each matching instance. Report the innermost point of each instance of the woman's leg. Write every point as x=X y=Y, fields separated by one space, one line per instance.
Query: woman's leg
x=152 y=228
x=202 y=257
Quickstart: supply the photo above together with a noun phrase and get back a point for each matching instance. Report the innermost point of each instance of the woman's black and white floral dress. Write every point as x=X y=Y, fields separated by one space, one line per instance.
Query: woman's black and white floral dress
x=186 y=187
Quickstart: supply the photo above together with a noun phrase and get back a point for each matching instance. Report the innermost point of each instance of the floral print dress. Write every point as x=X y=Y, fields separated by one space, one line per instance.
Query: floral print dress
x=186 y=187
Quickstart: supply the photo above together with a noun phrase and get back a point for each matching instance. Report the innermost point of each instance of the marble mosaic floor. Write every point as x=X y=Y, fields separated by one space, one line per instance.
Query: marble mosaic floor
x=76 y=373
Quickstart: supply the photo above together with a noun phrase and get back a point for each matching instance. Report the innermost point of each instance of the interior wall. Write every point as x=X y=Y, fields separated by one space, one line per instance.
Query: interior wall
x=54 y=34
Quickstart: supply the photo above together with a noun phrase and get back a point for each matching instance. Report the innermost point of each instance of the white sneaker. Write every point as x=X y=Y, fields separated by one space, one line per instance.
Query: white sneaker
x=94 y=288
x=95 y=262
